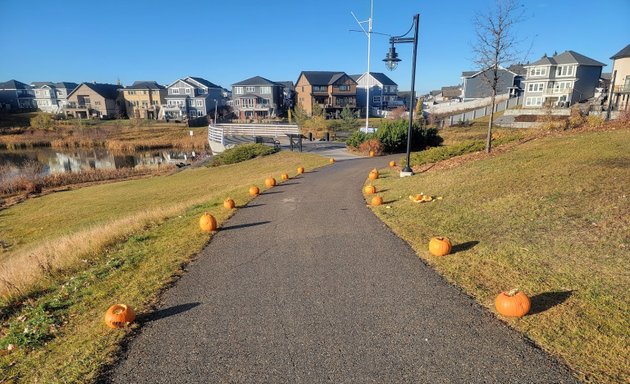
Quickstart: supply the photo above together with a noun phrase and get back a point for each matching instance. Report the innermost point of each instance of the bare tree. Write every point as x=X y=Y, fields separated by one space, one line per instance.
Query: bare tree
x=496 y=45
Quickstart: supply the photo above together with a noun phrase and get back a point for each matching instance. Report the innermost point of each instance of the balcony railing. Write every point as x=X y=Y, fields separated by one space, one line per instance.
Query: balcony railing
x=625 y=88
x=558 y=91
x=78 y=106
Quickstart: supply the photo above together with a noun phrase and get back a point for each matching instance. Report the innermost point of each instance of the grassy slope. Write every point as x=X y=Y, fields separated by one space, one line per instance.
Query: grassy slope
x=550 y=217
x=131 y=270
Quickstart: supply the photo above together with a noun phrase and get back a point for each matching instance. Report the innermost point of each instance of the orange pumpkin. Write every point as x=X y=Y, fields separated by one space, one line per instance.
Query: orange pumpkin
x=300 y=170
x=373 y=175
x=512 y=304
x=119 y=316
x=284 y=176
x=371 y=153
x=440 y=246
x=331 y=161
x=369 y=189
x=392 y=163
x=270 y=182
x=229 y=203
x=253 y=190
x=207 y=222
x=376 y=201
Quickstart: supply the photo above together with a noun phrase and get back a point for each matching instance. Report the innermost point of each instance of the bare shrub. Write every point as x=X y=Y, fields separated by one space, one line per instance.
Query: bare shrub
x=371 y=145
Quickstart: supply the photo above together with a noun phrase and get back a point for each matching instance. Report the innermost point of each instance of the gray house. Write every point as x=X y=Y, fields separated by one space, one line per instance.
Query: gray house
x=561 y=80
x=52 y=97
x=16 y=95
x=383 y=91
x=191 y=97
x=257 y=98
x=476 y=85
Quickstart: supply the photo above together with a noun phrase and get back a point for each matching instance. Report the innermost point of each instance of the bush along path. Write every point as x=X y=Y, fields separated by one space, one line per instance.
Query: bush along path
x=305 y=285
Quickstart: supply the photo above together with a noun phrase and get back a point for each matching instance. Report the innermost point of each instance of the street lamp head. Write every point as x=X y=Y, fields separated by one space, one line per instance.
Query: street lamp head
x=391 y=58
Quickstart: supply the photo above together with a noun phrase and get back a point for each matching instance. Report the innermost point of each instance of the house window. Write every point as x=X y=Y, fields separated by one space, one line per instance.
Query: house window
x=565 y=70
x=562 y=86
x=188 y=91
x=376 y=99
x=535 y=87
x=344 y=87
x=266 y=90
x=538 y=71
x=200 y=103
x=238 y=90
x=319 y=88
x=174 y=91
x=201 y=91
x=533 y=101
x=250 y=89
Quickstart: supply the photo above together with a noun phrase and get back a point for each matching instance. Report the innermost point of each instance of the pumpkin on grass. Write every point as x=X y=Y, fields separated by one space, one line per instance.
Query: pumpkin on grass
x=392 y=163
x=229 y=203
x=440 y=246
x=254 y=191
x=373 y=175
x=513 y=303
x=284 y=176
x=371 y=153
x=376 y=201
x=300 y=170
x=331 y=160
x=270 y=182
x=369 y=189
x=207 y=222
x=119 y=316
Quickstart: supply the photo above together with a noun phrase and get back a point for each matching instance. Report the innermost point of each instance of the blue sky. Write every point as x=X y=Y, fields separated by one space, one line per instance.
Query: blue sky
x=228 y=41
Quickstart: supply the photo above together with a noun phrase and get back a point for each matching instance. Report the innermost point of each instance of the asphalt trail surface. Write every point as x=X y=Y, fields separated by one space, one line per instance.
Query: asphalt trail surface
x=306 y=285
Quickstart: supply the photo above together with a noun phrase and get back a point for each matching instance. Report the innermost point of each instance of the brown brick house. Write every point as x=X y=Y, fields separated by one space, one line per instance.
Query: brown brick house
x=332 y=91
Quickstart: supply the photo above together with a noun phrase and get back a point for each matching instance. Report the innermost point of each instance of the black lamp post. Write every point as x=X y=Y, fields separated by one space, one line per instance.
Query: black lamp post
x=391 y=61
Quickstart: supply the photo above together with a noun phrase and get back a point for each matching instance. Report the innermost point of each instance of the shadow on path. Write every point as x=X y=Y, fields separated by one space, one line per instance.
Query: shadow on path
x=547 y=300
x=463 y=246
x=272 y=192
x=243 y=225
x=250 y=206
x=167 y=312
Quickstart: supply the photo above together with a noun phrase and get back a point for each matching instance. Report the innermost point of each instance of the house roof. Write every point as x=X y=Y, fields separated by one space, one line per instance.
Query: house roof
x=568 y=57
x=378 y=76
x=469 y=73
x=322 y=77
x=39 y=84
x=66 y=84
x=256 y=80
x=606 y=75
x=14 y=84
x=454 y=91
x=518 y=69
x=621 y=54
x=287 y=84
x=203 y=81
x=355 y=77
x=434 y=92
x=108 y=91
x=62 y=84
x=145 y=85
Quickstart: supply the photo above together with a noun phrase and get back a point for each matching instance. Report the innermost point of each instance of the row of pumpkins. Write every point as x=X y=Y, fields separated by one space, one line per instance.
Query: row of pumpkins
x=511 y=304
x=122 y=315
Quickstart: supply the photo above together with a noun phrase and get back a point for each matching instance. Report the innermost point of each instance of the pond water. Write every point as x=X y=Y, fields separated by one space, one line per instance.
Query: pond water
x=76 y=160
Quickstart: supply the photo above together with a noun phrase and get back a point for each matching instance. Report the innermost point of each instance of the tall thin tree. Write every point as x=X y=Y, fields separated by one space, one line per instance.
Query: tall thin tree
x=496 y=45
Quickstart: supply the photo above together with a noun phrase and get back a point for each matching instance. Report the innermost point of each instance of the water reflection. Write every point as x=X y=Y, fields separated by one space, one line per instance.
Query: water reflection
x=76 y=160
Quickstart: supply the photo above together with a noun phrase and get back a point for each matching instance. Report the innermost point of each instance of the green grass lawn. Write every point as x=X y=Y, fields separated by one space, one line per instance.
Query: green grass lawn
x=549 y=217
x=138 y=233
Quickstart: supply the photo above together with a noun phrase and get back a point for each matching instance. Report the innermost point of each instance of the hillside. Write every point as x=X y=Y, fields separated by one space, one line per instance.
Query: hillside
x=549 y=216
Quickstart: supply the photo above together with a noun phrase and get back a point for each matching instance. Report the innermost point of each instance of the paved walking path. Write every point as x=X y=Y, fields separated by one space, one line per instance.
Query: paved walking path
x=306 y=285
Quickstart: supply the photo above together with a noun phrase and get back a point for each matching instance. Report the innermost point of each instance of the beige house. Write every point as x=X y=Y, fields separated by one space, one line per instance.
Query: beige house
x=95 y=100
x=144 y=99
x=620 y=91
x=332 y=91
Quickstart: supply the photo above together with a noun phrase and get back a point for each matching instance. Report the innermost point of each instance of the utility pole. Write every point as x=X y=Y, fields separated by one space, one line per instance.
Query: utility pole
x=368 y=33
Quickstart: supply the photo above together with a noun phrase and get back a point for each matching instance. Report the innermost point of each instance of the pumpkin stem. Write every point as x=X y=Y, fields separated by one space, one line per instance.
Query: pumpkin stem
x=512 y=292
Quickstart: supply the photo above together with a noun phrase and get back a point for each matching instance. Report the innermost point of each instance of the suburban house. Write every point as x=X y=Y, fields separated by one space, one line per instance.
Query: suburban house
x=144 y=99
x=191 y=97
x=477 y=83
x=332 y=91
x=404 y=96
x=16 y=95
x=561 y=80
x=452 y=93
x=383 y=91
x=52 y=97
x=620 y=92
x=95 y=100
x=257 y=98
